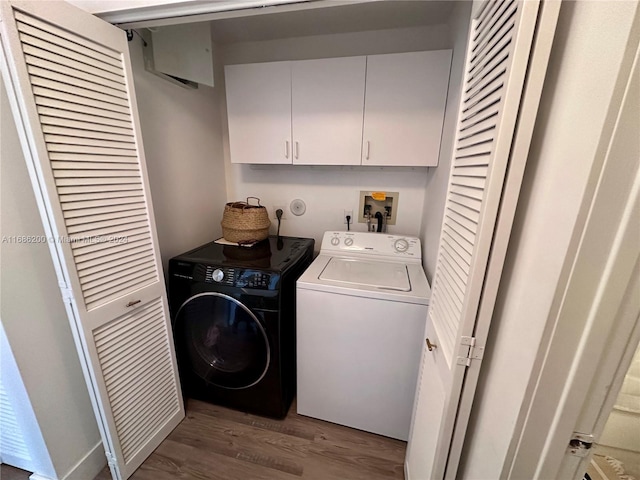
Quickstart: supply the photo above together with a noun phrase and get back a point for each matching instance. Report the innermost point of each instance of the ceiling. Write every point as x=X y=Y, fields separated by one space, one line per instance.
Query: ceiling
x=355 y=17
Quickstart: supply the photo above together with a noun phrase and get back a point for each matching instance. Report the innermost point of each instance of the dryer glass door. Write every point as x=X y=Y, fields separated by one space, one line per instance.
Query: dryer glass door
x=225 y=342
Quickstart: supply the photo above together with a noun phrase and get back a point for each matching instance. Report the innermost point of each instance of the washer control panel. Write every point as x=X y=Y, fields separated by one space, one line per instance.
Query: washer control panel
x=403 y=246
x=240 y=277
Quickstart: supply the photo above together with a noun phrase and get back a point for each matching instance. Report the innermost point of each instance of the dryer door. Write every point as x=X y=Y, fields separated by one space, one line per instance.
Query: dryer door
x=224 y=342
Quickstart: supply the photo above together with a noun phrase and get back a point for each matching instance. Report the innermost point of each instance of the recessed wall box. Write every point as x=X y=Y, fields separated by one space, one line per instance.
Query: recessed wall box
x=388 y=204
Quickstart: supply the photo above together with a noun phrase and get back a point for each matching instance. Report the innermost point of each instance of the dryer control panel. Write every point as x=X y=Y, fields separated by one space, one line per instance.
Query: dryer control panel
x=368 y=243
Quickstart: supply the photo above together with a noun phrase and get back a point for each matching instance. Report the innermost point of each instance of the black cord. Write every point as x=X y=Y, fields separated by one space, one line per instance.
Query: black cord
x=279 y=217
x=348 y=221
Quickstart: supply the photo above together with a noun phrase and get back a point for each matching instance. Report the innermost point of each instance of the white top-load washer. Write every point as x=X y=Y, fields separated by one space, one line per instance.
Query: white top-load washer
x=361 y=315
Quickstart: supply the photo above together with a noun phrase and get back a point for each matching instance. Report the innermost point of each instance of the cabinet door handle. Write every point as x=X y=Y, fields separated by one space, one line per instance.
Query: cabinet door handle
x=286 y=149
x=297 y=151
x=366 y=155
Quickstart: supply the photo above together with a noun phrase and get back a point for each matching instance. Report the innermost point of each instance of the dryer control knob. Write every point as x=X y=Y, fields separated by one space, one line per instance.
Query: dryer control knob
x=217 y=275
x=401 y=245
x=335 y=241
x=348 y=242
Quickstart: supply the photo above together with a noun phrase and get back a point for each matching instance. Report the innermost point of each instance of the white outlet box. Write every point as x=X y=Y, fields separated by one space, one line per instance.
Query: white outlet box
x=344 y=217
x=284 y=212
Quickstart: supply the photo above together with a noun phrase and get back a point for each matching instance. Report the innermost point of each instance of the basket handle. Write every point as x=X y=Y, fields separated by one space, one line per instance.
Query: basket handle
x=256 y=198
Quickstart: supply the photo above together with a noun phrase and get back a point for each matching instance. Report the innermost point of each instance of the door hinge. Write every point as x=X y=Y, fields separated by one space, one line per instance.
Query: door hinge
x=67 y=293
x=469 y=351
x=111 y=460
x=580 y=444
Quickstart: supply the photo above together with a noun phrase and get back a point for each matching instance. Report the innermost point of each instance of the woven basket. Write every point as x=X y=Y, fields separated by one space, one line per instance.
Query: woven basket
x=245 y=223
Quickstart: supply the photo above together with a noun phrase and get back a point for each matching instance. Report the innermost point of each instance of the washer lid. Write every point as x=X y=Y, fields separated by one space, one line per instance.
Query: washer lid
x=384 y=275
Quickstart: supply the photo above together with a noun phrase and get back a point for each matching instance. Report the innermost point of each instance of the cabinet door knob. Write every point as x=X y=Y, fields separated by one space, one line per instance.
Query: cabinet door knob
x=430 y=346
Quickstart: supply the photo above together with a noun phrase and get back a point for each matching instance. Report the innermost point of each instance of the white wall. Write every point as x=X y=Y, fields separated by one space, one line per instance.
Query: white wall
x=21 y=442
x=590 y=37
x=438 y=178
x=35 y=320
x=328 y=191
x=181 y=132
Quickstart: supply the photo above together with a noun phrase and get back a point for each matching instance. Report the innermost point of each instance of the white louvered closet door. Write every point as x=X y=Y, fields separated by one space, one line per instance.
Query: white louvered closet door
x=69 y=80
x=483 y=163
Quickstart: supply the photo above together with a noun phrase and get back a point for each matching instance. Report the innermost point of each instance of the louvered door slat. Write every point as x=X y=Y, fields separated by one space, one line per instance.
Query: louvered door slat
x=492 y=52
x=92 y=280
x=79 y=110
x=467 y=192
x=128 y=381
x=94 y=227
x=496 y=20
x=140 y=421
x=114 y=252
x=106 y=201
x=61 y=51
x=488 y=83
x=84 y=149
x=118 y=228
x=62 y=36
x=472 y=160
x=59 y=83
x=90 y=274
x=91 y=158
x=455 y=242
x=135 y=377
x=485 y=13
x=115 y=175
x=90 y=142
x=456 y=287
x=480 y=149
x=98 y=74
x=88 y=196
x=103 y=92
x=59 y=116
x=99 y=134
x=127 y=338
x=109 y=249
x=106 y=166
x=465 y=242
x=495 y=64
x=468 y=171
x=66 y=94
x=468 y=202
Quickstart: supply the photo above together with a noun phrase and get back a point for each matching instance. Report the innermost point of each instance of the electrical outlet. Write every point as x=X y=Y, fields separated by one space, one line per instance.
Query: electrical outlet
x=344 y=217
x=284 y=212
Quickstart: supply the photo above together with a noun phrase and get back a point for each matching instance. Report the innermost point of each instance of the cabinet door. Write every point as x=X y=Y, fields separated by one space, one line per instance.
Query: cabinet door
x=327 y=106
x=259 y=112
x=404 y=108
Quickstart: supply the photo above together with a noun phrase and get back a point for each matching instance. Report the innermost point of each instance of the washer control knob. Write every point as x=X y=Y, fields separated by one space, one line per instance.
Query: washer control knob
x=335 y=241
x=401 y=245
x=348 y=241
x=217 y=275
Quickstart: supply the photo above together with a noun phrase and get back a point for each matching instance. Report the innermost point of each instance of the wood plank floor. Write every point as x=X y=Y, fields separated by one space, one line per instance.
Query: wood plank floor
x=217 y=443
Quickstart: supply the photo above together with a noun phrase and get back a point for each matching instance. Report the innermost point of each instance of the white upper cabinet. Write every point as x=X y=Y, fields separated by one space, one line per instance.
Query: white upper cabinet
x=327 y=105
x=375 y=110
x=404 y=108
x=259 y=112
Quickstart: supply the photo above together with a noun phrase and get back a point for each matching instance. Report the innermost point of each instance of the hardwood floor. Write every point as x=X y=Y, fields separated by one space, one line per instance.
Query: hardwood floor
x=8 y=472
x=217 y=443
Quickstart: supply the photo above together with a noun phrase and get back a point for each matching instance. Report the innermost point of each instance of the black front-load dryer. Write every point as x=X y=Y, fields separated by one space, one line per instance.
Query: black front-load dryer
x=233 y=313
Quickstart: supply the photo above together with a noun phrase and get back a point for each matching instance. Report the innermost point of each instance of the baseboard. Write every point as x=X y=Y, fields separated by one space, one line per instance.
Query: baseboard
x=36 y=476
x=406 y=471
x=89 y=466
